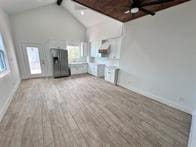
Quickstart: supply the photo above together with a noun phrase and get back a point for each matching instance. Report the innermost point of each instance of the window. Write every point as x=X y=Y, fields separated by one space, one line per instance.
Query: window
x=2 y=62
x=3 y=59
x=73 y=53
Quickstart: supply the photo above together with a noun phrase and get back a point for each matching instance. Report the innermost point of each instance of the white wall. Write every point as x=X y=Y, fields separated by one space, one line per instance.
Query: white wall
x=51 y=26
x=8 y=83
x=48 y=22
x=105 y=30
x=158 y=57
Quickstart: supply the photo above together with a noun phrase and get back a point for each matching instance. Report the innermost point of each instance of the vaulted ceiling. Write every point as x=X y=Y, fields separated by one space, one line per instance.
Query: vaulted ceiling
x=13 y=6
x=117 y=8
x=91 y=17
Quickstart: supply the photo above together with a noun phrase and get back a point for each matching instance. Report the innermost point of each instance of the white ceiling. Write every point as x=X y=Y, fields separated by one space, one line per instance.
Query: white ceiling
x=90 y=17
x=13 y=6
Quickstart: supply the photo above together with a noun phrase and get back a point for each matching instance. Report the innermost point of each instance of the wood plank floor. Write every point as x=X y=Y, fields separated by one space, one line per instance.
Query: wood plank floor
x=84 y=111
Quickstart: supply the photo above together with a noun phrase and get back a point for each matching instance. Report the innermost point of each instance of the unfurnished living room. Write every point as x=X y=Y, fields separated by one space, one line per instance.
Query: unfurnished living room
x=97 y=73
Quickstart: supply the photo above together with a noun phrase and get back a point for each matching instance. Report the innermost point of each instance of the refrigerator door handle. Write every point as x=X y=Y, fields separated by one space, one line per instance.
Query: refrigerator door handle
x=43 y=62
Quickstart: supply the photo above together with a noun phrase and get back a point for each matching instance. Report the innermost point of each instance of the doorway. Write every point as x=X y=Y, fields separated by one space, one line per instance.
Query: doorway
x=34 y=58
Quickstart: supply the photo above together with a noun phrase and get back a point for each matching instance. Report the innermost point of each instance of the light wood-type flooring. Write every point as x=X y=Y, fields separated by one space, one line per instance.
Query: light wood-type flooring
x=84 y=111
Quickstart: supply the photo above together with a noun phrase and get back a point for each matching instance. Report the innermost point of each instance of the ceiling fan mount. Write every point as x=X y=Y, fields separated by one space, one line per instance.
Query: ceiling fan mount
x=59 y=2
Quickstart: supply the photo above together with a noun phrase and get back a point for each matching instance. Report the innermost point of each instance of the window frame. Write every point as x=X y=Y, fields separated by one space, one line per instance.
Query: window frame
x=6 y=63
x=2 y=58
x=74 y=59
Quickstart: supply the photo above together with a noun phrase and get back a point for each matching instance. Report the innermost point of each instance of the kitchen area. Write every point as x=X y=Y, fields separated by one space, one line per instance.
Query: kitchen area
x=97 y=53
x=100 y=55
x=102 y=59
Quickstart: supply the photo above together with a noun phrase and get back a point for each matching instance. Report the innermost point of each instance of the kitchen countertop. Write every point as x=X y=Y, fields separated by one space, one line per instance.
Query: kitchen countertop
x=112 y=67
x=96 y=63
x=78 y=63
x=107 y=66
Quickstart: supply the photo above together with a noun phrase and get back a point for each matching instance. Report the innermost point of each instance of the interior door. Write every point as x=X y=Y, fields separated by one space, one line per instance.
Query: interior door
x=34 y=60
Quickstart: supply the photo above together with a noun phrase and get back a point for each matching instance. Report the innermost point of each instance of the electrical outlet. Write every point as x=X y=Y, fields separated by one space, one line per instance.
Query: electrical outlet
x=181 y=99
x=128 y=82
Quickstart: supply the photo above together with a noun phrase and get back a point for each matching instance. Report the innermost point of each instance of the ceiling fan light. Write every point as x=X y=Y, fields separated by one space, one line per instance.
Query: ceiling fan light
x=128 y=11
x=134 y=10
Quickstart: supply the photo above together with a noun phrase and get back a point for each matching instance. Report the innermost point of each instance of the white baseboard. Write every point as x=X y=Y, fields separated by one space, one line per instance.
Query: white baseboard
x=8 y=101
x=159 y=99
x=192 y=136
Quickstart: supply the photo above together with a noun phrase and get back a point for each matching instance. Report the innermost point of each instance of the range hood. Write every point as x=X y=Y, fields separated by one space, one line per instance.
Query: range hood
x=104 y=49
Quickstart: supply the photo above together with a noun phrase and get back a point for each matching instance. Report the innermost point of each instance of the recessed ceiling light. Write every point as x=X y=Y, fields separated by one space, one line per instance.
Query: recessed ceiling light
x=82 y=12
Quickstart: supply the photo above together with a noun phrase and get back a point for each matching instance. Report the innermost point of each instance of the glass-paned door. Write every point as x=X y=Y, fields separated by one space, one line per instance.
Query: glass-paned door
x=34 y=60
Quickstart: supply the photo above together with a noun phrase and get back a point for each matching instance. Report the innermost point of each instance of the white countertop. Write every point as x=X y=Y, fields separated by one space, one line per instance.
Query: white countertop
x=78 y=63
x=96 y=63
x=112 y=67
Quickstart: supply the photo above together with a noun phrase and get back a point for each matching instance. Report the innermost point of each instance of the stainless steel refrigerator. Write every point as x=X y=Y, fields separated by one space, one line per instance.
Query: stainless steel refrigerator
x=60 y=63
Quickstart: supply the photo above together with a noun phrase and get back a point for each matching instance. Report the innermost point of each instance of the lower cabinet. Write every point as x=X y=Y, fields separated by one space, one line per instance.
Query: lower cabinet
x=111 y=74
x=96 y=69
x=80 y=68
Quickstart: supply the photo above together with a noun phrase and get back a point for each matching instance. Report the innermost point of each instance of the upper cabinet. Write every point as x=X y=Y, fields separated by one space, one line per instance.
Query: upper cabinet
x=95 y=46
x=84 y=49
x=114 y=50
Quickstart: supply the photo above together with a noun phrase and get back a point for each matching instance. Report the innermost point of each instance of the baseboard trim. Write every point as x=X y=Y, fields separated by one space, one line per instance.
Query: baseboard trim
x=8 y=101
x=192 y=136
x=159 y=99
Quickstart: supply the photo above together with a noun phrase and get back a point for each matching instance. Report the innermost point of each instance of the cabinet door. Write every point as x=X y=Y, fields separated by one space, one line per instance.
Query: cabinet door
x=112 y=76
x=74 y=70
x=89 y=69
x=95 y=46
x=84 y=49
x=98 y=46
x=93 y=49
x=84 y=68
x=107 y=75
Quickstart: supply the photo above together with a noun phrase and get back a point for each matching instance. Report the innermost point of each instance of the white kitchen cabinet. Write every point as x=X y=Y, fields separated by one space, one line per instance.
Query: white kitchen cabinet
x=111 y=74
x=96 y=69
x=95 y=46
x=79 y=68
x=84 y=49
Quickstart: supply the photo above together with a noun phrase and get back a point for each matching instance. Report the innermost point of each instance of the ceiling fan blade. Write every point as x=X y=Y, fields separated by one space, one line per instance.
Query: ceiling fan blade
x=147 y=11
x=156 y=2
x=142 y=1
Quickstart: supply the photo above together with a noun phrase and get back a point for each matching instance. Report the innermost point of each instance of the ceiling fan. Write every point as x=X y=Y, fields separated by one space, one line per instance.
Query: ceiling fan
x=139 y=5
